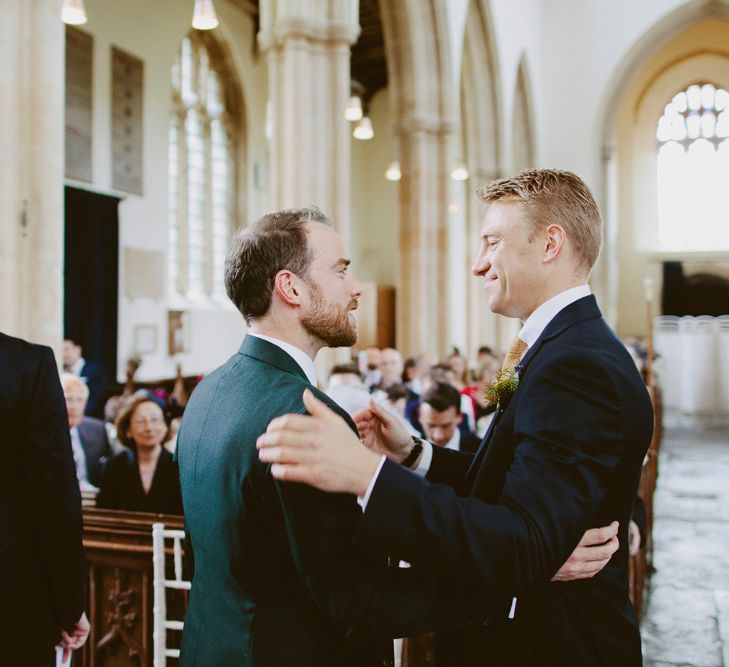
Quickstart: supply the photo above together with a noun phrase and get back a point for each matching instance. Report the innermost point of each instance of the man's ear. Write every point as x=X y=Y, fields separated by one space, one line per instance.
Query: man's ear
x=556 y=239
x=287 y=287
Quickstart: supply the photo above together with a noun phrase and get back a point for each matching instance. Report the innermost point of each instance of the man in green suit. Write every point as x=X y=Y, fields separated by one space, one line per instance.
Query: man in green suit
x=277 y=579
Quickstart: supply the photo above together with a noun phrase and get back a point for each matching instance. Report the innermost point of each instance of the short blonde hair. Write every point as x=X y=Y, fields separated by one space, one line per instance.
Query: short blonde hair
x=71 y=381
x=553 y=196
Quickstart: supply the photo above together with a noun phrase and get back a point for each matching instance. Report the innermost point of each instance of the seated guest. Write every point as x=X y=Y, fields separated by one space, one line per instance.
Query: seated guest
x=143 y=478
x=394 y=400
x=440 y=415
x=346 y=388
x=443 y=374
x=88 y=435
x=391 y=368
x=370 y=366
x=90 y=372
x=459 y=366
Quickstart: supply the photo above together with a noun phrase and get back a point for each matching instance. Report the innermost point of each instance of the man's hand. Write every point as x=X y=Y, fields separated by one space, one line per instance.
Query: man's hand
x=382 y=432
x=319 y=450
x=591 y=555
x=76 y=638
x=633 y=538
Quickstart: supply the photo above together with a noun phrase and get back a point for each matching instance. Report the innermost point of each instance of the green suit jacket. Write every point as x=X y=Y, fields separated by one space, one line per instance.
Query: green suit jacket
x=277 y=579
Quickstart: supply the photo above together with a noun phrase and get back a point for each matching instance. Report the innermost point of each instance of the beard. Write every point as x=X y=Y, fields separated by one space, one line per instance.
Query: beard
x=328 y=322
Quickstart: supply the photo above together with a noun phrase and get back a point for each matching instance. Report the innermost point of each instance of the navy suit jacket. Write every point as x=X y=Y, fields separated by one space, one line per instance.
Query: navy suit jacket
x=277 y=579
x=564 y=455
x=96 y=447
x=95 y=379
x=42 y=571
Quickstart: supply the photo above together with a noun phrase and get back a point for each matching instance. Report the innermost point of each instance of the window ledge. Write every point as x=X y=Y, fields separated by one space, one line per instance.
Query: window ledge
x=688 y=255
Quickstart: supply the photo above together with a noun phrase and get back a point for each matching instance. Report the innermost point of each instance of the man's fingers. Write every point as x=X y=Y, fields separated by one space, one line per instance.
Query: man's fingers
x=285 y=454
x=316 y=407
x=292 y=473
x=596 y=536
x=600 y=553
x=380 y=413
x=292 y=422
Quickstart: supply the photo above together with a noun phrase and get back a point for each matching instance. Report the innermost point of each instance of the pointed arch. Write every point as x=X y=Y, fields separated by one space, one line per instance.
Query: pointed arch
x=522 y=128
x=686 y=46
x=481 y=141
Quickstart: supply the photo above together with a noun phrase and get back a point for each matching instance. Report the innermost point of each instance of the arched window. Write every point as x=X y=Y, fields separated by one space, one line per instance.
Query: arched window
x=203 y=153
x=693 y=170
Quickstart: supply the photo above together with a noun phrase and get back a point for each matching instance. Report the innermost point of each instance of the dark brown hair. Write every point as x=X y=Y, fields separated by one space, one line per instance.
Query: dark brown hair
x=274 y=242
x=441 y=396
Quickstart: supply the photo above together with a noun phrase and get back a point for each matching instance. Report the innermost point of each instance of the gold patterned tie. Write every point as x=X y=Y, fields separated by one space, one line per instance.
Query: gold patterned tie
x=513 y=355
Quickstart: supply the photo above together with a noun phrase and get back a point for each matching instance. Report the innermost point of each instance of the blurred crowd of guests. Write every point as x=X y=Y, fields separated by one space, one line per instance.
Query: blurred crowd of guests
x=123 y=444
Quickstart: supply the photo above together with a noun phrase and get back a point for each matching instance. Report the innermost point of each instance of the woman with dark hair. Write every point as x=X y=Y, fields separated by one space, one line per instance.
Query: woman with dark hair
x=143 y=478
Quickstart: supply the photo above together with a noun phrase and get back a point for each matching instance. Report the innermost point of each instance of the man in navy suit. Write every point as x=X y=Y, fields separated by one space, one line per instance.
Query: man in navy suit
x=441 y=417
x=91 y=373
x=564 y=450
x=89 y=441
x=42 y=569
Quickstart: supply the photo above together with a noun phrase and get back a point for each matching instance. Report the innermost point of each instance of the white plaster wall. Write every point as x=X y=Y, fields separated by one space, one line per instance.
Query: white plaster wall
x=152 y=32
x=575 y=80
x=375 y=239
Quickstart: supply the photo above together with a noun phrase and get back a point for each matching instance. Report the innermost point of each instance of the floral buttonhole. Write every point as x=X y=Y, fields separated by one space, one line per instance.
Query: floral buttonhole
x=503 y=387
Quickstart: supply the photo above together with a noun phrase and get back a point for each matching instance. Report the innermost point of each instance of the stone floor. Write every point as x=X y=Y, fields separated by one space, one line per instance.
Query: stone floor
x=687 y=615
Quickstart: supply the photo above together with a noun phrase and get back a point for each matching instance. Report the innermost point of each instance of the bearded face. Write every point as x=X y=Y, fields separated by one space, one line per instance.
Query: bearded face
x=332 y=323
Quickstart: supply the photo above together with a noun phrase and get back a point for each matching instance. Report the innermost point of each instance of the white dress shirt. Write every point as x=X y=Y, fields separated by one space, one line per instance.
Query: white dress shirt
x=79 y=459
x=305 y=362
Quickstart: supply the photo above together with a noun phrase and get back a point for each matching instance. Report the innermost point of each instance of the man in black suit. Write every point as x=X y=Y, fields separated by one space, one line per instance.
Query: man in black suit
x=89 y=442
x=91 y=372
x=277 y=579
x=440 y=415
x=563 y=452
x=41 y=555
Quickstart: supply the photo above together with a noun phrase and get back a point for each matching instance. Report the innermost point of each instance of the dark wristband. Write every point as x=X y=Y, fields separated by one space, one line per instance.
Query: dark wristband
x=415 y=452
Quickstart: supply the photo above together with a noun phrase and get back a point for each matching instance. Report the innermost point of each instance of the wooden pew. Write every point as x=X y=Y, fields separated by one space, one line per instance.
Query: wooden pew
x=118 y=548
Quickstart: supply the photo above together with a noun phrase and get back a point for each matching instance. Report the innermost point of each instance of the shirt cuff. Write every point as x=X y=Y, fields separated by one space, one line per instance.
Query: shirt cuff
x=362 y=502
x=426 y=458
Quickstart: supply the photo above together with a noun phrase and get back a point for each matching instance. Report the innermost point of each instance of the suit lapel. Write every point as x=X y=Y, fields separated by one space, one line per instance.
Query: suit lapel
x=271 y=354
x=583 y=309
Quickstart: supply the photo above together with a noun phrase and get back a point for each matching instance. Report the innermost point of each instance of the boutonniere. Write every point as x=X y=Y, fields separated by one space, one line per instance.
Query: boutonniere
x=504 y=386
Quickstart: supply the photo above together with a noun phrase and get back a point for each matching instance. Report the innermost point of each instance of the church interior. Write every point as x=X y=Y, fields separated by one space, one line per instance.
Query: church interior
x=139 y=136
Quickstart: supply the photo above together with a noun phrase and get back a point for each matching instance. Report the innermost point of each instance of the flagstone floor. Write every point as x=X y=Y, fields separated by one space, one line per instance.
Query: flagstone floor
x=687 y=614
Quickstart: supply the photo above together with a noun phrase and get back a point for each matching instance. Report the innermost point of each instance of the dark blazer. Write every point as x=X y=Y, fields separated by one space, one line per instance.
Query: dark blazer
x=562 y=456
x=469 y=442
x=121 y=487
x=42 y=570
x=277 y=580
x=95 y=378
x=96 y=447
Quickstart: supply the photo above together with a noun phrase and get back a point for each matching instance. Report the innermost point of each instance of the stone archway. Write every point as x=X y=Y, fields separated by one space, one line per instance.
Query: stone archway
x=481 y=137
x=616 y=198
x=522 y=128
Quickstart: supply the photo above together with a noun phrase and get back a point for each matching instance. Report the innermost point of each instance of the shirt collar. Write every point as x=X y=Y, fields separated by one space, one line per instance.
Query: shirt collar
x=297 y=354
x=455 y=441
x=78 y=366
x=537 y=322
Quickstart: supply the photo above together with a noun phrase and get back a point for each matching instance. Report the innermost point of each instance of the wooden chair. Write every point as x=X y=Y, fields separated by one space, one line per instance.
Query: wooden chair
x=160 y=585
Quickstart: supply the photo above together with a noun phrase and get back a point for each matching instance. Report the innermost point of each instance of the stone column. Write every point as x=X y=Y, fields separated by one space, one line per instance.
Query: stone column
x=31 y=178
x=421 y=311
x=307 y=44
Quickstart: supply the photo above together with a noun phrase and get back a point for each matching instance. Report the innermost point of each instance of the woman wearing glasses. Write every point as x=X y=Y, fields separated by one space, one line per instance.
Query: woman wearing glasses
x=143 y=478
